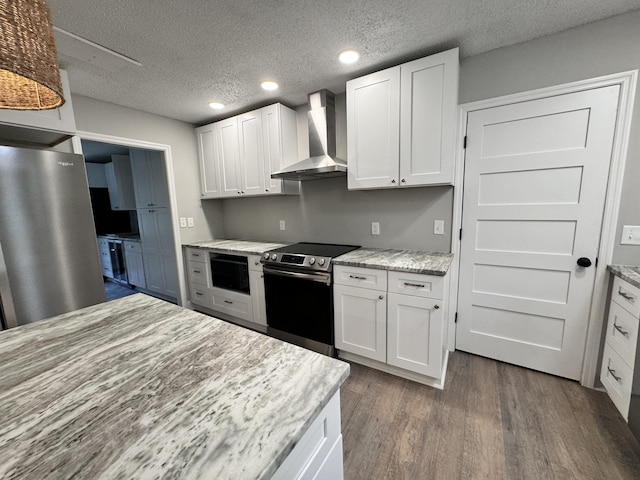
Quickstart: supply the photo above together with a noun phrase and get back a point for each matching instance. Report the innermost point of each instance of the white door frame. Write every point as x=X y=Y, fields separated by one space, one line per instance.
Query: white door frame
x=168 y=164
x=627 y=82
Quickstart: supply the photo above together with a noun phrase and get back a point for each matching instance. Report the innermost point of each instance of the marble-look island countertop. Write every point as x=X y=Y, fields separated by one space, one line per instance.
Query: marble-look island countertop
x=237 y=246
x=627 y=272
x=139 y=388
x=400 y=260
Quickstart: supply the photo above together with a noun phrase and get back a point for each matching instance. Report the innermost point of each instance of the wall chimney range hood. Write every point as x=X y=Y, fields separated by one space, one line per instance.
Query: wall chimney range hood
x=322 y=161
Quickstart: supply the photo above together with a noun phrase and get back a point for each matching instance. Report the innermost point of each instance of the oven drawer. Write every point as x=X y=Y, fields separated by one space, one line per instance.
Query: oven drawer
x=196 y=254
x=237 y=304
x=197 y=272
x=360 y=277
x=429 y=286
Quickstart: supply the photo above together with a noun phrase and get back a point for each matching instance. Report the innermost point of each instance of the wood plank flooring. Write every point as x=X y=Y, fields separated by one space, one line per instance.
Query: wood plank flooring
x=492 y=421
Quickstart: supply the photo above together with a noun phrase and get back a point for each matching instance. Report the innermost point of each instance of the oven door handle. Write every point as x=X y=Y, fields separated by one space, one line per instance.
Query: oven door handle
x=314 y=277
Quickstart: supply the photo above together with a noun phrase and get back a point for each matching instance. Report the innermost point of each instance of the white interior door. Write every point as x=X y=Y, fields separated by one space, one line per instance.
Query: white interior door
x=534 y=188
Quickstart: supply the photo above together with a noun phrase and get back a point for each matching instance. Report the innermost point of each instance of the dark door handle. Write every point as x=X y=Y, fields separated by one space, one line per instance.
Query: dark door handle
x=584 y=262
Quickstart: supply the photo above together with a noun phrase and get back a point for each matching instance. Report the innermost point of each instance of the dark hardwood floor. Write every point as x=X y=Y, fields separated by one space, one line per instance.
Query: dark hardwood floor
x=492 y=421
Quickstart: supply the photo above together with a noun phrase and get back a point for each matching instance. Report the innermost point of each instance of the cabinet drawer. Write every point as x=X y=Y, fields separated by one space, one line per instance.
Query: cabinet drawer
x=622 y=332
x=627 y=296
x=232 y=303
x=616 y=376
x=197 y=272
x=254 y=262
x=360 y=277
x=130 y=246
x=200 y=295
x=429 y=286
x=196 y=254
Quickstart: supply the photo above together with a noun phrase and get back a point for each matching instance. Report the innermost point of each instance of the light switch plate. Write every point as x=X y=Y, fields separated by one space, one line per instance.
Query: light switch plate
x=183 y=222
x=375 y=228
x=438 y=227
x=281 y=224
x=190 y=222
x=630 y=235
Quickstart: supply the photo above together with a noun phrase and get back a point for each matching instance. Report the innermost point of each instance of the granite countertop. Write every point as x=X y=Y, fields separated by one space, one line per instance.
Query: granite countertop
x=238 y=246
x=115 y=236
x=401 y=260
x=627 y=272
x=141 y=388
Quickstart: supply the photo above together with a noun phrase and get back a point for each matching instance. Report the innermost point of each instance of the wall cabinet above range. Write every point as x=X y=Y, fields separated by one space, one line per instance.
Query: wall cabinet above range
x=237 y=155
x=401 y=124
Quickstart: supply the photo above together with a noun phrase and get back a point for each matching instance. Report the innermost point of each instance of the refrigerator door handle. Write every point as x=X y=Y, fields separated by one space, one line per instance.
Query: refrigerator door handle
x=8 y=312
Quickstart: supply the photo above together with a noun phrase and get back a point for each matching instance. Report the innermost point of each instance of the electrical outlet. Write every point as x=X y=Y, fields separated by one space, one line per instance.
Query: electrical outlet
x=630 y=235
x=438 y=227
x=183 y=222
x=281 y=224
x=375 y=228
x=190 y=222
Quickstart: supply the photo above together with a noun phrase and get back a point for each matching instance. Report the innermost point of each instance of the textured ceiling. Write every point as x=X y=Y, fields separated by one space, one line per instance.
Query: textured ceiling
x=197 y=51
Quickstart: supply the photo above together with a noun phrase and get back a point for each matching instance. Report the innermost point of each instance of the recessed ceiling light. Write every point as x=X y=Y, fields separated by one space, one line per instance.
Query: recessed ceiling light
x=268 y=85
x=349 y=56
x=216 y=105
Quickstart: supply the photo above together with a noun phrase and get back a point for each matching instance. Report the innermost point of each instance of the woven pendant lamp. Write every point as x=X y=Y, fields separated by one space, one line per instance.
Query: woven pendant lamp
x=29 y=75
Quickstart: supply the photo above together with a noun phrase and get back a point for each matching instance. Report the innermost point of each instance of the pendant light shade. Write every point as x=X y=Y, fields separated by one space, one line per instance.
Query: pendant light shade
x=29 y=75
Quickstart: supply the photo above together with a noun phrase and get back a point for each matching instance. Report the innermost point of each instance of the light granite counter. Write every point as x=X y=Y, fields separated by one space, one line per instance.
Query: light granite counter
x=627 y=272
x=400 y=260
x=140 y=388
x=237 y=246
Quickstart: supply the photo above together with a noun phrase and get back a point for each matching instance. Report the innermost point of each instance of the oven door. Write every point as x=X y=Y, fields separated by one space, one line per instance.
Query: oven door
x=300 y=303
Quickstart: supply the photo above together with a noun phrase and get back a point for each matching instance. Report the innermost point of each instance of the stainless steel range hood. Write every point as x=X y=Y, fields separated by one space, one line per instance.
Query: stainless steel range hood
x=322 y=162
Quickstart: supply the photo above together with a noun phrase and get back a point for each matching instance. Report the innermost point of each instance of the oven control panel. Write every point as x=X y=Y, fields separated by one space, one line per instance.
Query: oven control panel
x=306 y=262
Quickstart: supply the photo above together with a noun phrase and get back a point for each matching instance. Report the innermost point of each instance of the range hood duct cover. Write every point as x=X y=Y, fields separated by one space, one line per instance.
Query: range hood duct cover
x=322 y=161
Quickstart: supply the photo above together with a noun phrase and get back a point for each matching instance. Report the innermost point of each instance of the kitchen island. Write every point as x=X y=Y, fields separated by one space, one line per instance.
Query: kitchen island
x=140 y=388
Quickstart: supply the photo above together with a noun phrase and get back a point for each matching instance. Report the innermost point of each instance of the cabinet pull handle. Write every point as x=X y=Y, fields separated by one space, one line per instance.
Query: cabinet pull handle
x=627 y=296
x=151 y=211
x=419 y=285
x=228 y=301
x=357 y=277
x=195 y=254
x=626 y=334
x=198 y=294
x=613 y=374
x=257 y=263
x=436 y=307
x=197 y=271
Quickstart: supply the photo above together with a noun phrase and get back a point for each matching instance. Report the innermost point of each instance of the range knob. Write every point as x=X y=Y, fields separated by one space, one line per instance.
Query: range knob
x=312 y=261
x=321 y=261
x=273 y=257
x=266 y=256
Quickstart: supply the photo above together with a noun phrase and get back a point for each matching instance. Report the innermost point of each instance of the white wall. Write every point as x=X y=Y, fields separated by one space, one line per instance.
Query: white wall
x=600 y=48
x=105 y=118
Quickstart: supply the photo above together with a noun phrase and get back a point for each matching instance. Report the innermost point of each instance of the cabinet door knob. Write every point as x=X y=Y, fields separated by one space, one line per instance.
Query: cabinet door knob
x=381 y=297
x=393 y=181
x=436 y=307
x=404 y=181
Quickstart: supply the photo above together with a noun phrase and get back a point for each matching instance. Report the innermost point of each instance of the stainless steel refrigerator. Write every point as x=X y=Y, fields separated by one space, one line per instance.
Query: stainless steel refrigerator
x=49 y=262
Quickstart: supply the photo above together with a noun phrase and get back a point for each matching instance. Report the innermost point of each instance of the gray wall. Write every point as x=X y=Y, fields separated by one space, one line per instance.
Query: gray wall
x=327 y=212
x=96 y=116
x=596 y=49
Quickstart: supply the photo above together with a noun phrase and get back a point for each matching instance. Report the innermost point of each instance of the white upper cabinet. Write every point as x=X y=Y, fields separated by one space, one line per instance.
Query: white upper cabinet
x=41 y=126
x=401 y=124
x=238 y=155
x=150 y=178
x=209 y=171
x=280 y=144
x=120 y=183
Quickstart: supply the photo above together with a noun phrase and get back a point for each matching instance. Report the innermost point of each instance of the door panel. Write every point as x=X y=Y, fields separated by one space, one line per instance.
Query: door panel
x=535 y=183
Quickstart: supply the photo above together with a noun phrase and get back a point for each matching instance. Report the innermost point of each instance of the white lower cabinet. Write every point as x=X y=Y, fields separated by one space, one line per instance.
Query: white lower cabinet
x=247 y=307
x=361 y=321
x=618 y=357
x=133 y=261
x=394 y=319
x=105 y=257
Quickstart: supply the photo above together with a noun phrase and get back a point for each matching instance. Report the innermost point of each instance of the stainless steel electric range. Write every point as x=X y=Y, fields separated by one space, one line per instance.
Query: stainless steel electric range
x=299 y=293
